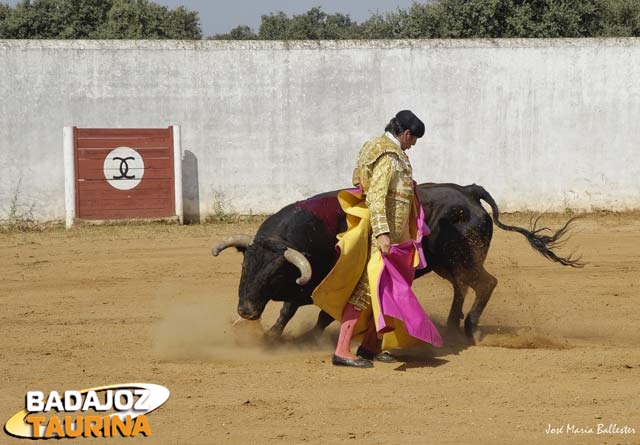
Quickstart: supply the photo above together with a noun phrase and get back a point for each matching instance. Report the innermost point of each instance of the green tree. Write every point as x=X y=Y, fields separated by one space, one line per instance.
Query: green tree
x=502 y=19
x=313 y=25
x=316 y=24
x=467 y=19
x=5 y=10
x=237 y=33
x=377 y=26
x=91 y=19
x=182 y=24
x=621 y=18
x=273 y=26
x=141 y=19
x=554 y=18
x=36 y=20
x=472 y=18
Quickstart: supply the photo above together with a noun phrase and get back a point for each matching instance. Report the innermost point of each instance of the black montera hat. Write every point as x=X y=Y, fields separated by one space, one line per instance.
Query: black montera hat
x=409 y=121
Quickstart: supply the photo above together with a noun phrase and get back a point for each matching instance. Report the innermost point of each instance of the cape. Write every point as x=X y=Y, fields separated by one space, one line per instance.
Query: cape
x=396 y=310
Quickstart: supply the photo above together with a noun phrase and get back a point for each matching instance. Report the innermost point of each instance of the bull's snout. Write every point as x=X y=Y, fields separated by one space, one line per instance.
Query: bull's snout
x=249 y=312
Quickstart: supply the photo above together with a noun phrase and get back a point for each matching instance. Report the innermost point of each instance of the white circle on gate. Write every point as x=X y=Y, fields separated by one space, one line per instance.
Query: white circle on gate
x=123 y=168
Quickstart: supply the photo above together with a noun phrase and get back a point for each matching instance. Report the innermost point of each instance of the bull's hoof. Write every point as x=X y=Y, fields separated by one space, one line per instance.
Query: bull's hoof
x=471 y=331
x=273 y=336
x=453 y=324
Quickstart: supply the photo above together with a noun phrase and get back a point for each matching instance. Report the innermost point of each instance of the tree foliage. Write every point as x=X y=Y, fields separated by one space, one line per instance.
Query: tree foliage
x=96 y=19
x=622 y=18
x=144 y=19
x=460 y=19
x=315 y=24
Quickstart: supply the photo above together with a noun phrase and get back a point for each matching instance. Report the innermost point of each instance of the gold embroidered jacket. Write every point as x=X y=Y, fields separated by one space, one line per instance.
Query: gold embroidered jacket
x=385 y=174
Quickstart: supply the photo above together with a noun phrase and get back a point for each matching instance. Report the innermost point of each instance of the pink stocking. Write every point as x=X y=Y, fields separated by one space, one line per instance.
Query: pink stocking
x=350 y=317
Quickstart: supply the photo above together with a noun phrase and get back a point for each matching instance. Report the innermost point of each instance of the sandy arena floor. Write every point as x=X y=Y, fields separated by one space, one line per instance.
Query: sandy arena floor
x=103 y=305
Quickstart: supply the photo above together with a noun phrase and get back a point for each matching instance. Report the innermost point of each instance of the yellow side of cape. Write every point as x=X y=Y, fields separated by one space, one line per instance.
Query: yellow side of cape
x=333 y=293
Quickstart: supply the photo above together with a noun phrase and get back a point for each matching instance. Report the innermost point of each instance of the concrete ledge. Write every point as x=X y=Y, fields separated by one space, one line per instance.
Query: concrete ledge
x=288 y=45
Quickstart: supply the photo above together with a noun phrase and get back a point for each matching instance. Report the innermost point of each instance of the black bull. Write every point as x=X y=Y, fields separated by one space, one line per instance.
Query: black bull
x=294 y=250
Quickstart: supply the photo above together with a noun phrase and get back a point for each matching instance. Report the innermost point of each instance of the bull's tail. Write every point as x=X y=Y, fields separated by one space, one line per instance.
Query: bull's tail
x=544 y=244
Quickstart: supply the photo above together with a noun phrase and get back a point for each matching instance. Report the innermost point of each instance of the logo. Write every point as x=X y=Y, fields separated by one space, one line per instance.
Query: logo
x=78 y=413
x=123 y=168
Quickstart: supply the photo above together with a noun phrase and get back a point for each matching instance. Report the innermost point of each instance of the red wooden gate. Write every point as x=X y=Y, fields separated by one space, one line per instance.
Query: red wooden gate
x=124 y=173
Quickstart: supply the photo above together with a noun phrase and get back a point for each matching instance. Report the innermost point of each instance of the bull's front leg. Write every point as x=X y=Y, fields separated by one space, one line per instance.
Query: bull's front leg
x=287 y=312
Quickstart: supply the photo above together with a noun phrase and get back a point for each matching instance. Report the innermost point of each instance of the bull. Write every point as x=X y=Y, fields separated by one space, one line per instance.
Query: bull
x=294 y=250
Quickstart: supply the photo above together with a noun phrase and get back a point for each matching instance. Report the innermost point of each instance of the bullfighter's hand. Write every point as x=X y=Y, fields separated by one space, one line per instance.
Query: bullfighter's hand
x=384 y=244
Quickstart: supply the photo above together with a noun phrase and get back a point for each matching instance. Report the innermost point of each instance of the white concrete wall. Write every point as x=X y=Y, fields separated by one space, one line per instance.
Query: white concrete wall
x=542 y=124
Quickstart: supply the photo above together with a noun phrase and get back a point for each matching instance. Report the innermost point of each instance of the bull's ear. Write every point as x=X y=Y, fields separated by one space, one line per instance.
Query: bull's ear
x=241 y=249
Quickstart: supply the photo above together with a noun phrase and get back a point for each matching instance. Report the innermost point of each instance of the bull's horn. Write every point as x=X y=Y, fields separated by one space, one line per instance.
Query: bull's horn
x=301 y=262
x=232 y=241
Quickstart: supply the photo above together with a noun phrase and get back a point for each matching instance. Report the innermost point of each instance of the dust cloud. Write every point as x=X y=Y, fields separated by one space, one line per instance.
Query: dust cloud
x=209 y=328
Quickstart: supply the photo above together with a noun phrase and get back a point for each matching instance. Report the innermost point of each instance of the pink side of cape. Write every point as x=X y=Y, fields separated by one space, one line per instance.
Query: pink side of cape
x=395 y=295
x=397 y=299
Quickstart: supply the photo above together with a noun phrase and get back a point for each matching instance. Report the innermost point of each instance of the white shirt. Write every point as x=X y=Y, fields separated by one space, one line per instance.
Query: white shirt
x=393 y=138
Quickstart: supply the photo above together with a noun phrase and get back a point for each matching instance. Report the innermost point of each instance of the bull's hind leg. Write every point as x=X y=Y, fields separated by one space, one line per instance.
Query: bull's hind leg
x=324 y=320
x=455 y=314
x=287 y=312
x=483 y=287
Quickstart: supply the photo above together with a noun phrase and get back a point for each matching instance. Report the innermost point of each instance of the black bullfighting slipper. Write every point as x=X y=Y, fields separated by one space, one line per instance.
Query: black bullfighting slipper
x=353 y=362
x=384 y=357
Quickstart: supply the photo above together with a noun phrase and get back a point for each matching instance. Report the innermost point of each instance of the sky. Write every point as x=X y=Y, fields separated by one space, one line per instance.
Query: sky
x=221 y=16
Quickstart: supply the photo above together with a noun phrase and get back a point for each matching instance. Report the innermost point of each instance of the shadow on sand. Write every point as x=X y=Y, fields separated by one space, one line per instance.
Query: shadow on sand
x=425 y=355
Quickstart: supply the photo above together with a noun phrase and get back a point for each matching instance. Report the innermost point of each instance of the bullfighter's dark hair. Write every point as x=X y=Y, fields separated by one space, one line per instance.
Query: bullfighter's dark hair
x=405 y=120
